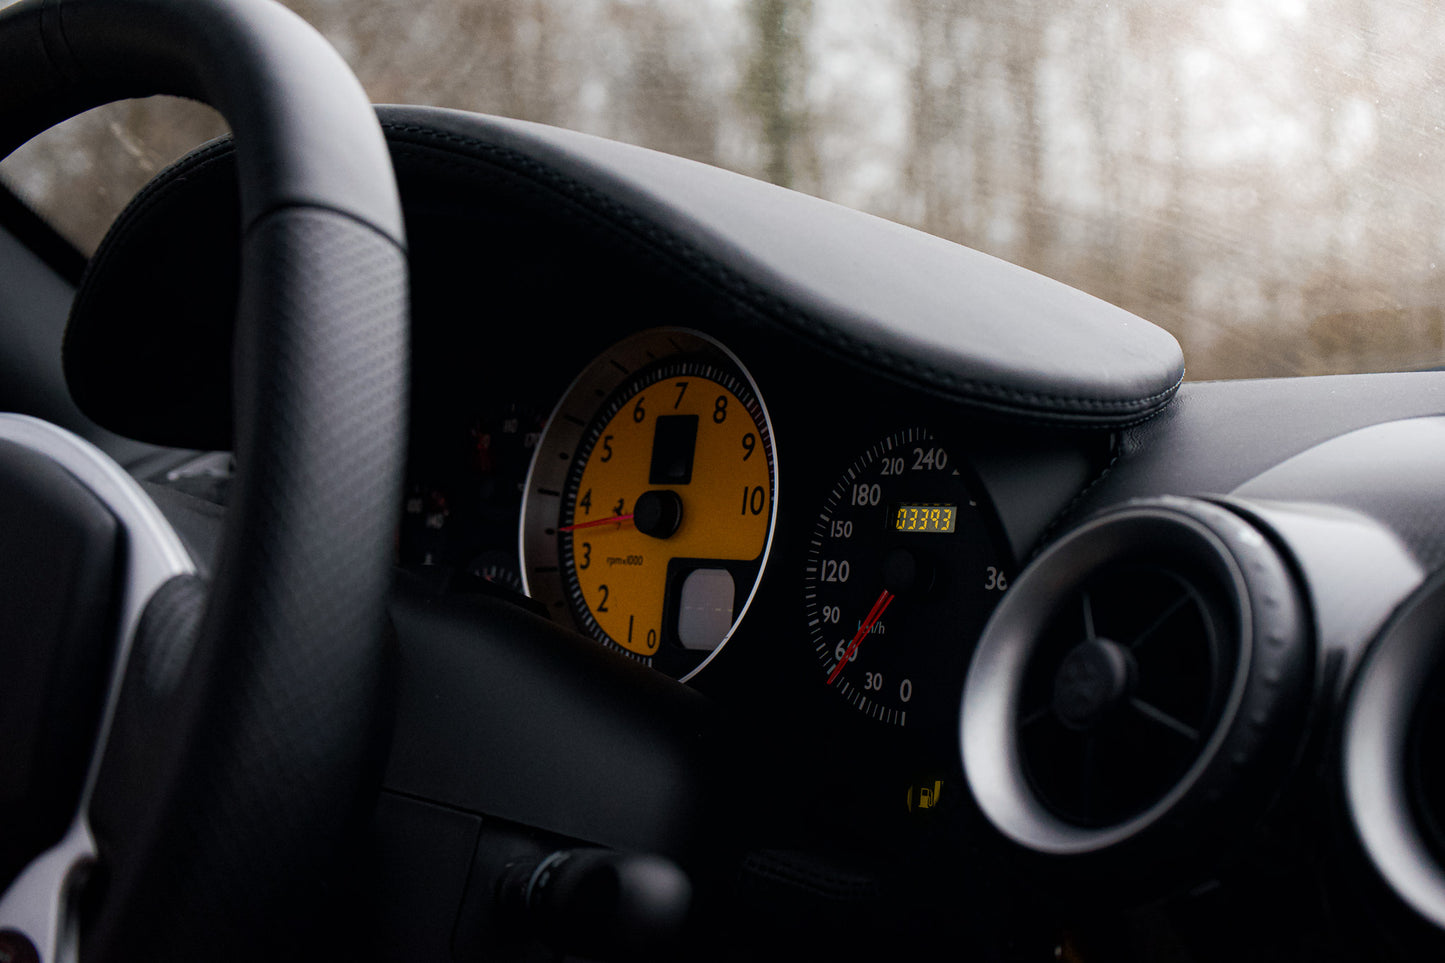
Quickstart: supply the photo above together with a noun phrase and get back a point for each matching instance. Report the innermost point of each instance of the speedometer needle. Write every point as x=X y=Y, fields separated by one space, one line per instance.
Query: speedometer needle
x=874 y=614
x=614 y=520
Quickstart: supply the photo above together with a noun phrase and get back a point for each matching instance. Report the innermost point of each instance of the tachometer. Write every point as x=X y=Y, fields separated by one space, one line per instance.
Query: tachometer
x=649 y=508
x=901 y=573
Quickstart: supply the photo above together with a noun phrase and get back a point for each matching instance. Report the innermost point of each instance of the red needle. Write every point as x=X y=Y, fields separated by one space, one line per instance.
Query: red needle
x=615 y=519
x=874 y=614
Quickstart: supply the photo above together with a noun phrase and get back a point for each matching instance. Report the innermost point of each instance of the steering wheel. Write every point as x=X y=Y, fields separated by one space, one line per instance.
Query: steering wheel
x=203 y=742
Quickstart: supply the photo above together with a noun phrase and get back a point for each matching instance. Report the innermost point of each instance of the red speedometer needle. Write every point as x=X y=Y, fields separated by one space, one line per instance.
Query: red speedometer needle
x=614 y=520
x=874 y=614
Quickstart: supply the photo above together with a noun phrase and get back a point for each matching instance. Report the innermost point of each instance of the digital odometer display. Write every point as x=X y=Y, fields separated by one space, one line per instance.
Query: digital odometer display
x=924 y=518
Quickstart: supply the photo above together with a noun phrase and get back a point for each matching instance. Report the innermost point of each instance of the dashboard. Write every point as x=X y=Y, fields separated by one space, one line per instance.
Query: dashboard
x=990 y=631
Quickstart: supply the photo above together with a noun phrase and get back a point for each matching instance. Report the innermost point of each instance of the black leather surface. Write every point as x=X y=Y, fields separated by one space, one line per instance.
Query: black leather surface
x=580 y=724
x=968 y=324
x=272 y=721
x=964 y=325
x=273 y=78
x=169 y=381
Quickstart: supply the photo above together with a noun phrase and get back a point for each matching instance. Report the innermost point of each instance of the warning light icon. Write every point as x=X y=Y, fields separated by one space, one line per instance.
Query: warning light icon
x=924 y=797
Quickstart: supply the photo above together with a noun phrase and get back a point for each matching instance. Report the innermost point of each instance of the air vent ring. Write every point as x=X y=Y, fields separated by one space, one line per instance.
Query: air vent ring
x=1394 y=799
x=1149 y=669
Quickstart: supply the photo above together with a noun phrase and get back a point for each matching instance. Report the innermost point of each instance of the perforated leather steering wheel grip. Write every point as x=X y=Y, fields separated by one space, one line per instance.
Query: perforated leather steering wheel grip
x=225 y=786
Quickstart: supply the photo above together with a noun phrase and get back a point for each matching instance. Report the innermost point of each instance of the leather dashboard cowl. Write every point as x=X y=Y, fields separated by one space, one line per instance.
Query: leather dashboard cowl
x=969 y=327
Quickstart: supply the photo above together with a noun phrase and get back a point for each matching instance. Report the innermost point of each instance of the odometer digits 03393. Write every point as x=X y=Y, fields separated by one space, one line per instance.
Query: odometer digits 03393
x=649 y=510
x=902 y=571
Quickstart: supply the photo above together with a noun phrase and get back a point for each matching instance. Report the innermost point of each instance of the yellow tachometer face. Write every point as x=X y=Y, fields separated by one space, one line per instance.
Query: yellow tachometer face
x=647 y=520
x=685 y=433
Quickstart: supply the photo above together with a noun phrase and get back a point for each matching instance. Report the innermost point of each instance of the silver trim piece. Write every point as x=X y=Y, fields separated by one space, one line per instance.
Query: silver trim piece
x=1376 y=733
x=40 y=903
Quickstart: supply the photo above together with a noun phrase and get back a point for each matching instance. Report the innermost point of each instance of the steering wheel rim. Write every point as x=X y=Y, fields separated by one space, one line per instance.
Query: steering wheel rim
x=250 y=755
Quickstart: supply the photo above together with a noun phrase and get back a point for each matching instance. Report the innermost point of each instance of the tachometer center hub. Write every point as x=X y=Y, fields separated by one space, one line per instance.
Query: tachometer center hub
x=657 y=513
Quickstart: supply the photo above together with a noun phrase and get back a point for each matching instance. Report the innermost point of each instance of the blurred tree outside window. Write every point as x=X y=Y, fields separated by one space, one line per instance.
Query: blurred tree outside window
x=1265 y=180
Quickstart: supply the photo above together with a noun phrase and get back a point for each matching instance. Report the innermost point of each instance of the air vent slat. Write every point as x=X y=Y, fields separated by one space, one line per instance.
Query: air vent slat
x=1153 y=631
x=1155 y=714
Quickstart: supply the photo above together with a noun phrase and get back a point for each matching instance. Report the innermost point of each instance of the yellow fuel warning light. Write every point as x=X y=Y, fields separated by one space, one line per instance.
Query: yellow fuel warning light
x=924 y=796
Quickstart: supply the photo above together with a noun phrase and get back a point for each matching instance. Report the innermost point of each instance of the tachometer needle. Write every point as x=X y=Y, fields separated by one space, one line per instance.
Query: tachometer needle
x=614 y=520
x=874 y=614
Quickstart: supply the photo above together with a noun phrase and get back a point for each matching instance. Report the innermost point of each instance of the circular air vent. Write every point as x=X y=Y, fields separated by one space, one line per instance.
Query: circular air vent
x=1150 y=664
x=1130 y=677
x=1394 y=741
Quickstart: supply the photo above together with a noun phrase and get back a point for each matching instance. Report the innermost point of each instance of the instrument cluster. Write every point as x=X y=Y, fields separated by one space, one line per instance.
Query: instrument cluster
x=642 y=509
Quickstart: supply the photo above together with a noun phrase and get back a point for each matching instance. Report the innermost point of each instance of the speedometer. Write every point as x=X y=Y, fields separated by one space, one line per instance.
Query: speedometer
x=902 y=571
x=649 y=508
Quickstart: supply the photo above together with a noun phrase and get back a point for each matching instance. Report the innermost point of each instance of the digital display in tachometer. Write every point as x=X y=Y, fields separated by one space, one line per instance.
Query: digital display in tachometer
x=649 y=510
x=902 y=571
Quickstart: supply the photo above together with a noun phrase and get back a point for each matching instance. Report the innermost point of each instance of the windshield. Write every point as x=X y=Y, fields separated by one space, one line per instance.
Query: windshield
x=1263 y=180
